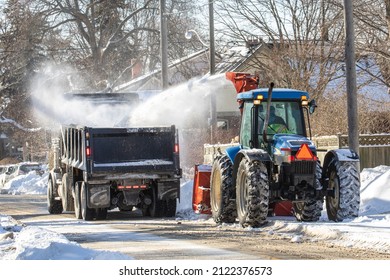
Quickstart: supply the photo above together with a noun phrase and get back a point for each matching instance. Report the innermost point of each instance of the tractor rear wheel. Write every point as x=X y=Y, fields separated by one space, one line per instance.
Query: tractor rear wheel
x=222 y=202
x=310 y=209
x=345 y=186
x=252 y=192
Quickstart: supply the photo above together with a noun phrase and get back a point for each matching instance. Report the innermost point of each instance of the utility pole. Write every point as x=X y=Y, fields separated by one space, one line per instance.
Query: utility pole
x=353 y=128
x=163 y=45
x=213 y=99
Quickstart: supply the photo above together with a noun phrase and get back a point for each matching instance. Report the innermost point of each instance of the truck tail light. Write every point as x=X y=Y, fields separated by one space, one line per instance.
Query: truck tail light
x=132 y=187
x=176 y=148
x=88 y=151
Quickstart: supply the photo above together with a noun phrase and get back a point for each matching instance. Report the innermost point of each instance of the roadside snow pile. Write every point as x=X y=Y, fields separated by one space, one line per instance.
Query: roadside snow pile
x=375 y=191
x=33 y=243
x=30 y=183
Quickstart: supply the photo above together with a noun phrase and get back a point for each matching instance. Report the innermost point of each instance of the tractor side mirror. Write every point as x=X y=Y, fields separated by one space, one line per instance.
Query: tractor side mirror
x=312 y=106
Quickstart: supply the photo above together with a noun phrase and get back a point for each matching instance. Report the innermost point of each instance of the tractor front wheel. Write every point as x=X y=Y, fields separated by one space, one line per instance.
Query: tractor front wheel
x=252 y=192
x=344 y=185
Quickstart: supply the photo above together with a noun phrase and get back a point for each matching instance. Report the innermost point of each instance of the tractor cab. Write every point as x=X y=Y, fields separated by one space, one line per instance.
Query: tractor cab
x=276 y=125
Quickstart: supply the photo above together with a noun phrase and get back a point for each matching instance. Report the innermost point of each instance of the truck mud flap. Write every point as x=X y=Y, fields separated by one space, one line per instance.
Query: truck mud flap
x=168 y=189
x=98 y=196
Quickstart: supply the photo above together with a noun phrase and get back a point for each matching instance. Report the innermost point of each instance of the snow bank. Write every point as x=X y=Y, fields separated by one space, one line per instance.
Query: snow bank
x=375 y=191
x=33 y=243
x=30 y=183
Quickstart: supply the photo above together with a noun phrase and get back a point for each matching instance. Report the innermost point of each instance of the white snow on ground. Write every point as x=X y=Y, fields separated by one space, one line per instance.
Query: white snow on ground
x=370 y=230
x=30 y=183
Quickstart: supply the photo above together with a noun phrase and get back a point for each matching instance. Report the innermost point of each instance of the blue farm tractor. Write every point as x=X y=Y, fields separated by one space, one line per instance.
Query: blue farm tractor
x=275 y=161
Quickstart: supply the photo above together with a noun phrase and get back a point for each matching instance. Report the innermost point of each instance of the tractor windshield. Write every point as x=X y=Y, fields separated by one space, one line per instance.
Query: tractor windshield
x=285 y=117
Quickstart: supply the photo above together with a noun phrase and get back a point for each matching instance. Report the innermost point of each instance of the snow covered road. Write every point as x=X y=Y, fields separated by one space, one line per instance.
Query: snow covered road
x=189 y=236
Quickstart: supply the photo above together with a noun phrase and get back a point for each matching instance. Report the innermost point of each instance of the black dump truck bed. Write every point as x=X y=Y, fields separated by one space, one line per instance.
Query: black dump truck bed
x=98 y=169
x=109 y=151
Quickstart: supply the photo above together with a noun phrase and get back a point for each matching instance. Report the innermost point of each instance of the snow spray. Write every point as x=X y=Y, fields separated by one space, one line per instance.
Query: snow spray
x=186 y=105
x=52 y=107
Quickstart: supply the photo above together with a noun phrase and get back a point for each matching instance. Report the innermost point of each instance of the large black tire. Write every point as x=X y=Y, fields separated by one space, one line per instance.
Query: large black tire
x=223 y=206
x=77 y=201
x=145 y=208
x=86 y=212
x=344 y=181
x=310 y=209
x=101 y=213
x=53 y=206
x=170 y=207
x=252 y=193
x=145 y=211
x=158 y=207
x=67 y=196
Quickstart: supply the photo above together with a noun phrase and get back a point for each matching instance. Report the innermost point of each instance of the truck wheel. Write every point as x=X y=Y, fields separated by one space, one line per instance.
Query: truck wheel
x=344 y=181
x=146 y=199
x=252 y=192
x=67 y=199
x=223 y=207
x=77 y=201
x=158 y=206
x=101 y=213
x=86 y=212
x=145 y=211
x=310 y=209
x=170 y=208
x=53 y=206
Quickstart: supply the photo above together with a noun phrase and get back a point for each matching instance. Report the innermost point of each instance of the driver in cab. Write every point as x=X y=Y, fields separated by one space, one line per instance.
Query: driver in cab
x=276 y=123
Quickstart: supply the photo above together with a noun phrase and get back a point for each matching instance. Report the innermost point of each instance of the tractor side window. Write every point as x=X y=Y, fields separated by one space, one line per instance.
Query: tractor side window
x=295 y=118
x=245 y=133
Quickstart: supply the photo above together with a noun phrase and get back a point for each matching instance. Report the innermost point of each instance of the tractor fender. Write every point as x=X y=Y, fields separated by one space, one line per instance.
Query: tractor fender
x=250 y=155
x=341 y=155
x=231 y=152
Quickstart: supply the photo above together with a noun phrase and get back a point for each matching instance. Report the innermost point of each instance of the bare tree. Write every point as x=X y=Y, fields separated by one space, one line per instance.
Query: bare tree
x=107 y=37
x=304 y=38
x=373 y=38
x=22 y=53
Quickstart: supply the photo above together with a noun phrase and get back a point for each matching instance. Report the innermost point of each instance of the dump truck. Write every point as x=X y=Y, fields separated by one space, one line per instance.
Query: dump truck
x=275 y=161
x=96 y=169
